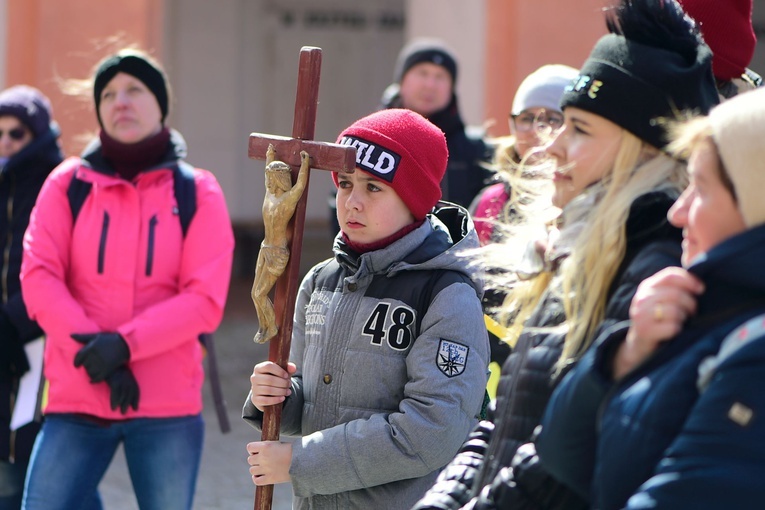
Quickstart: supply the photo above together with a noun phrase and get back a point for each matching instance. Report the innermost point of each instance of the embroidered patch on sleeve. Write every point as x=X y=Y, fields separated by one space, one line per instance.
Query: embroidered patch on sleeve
x=451 y=358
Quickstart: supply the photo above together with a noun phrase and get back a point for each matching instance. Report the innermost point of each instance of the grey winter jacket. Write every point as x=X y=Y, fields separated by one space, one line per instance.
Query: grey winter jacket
x=392 y=356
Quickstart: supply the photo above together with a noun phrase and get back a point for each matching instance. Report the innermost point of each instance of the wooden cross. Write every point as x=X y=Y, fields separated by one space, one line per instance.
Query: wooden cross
x=324 y=156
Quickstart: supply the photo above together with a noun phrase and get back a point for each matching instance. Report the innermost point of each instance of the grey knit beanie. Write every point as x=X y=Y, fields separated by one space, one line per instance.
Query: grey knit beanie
x=543 y=88
x=737 y=128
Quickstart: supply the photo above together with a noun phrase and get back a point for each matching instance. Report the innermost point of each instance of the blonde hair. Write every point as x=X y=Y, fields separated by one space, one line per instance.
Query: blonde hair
x=521 y=177
x=584 y=279
x=525 y=217
x=506 y=165
x=686 y=136
x=587 y=275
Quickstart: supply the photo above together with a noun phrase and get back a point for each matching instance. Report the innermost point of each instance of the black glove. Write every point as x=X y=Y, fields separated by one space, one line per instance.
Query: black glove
x=13 y=359
x=102 y=354
x=124 y=389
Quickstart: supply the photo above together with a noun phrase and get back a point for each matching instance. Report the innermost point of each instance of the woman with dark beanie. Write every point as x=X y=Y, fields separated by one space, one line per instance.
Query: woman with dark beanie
x=123 y=289
x=664 y=411
x=613 y=181
x=29 y=150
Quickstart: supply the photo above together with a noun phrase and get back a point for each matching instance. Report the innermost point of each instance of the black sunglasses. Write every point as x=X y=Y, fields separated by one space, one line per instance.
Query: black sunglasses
x=15 y=133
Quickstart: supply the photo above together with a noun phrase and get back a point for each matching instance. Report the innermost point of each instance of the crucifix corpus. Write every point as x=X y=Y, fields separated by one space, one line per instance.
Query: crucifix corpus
x=284 y=218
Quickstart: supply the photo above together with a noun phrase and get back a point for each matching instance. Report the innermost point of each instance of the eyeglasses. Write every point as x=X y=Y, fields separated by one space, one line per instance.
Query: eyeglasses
x=15 y=133
x=526 y=121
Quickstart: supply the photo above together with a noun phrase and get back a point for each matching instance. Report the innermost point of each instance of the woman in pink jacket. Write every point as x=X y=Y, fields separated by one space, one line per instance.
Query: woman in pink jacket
x=123 y=288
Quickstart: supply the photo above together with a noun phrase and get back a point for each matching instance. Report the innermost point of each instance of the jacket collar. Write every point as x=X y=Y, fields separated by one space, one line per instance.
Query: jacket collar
x=732 y=274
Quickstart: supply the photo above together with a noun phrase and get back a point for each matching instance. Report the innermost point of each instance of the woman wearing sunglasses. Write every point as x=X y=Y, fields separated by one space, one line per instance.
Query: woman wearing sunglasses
x=29 y=150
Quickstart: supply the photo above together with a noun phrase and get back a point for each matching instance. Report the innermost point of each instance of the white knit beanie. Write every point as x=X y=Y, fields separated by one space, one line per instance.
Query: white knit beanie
x=737 y=128
x=543 y=88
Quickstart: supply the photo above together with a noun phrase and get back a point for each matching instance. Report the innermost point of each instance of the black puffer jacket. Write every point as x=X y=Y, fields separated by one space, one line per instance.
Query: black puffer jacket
x=527 y=381
x=20 y=182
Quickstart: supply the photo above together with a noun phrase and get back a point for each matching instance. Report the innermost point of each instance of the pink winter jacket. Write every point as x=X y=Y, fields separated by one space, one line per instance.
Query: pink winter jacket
x=104 y=275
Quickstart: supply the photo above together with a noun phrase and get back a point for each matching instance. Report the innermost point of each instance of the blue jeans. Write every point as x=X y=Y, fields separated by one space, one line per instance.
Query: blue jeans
x=72 y=454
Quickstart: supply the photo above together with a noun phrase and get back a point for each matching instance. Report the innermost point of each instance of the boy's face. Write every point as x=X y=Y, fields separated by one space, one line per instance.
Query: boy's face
x=368 y=209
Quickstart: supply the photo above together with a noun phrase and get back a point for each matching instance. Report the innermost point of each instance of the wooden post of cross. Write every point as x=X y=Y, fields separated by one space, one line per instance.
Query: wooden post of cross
x=325 y=156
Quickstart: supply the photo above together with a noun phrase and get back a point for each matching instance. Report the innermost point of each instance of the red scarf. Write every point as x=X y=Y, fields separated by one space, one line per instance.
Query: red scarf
x=361 y=248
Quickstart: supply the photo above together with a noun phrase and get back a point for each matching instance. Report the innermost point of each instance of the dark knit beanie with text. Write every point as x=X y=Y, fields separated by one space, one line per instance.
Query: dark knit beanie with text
x=652 y=68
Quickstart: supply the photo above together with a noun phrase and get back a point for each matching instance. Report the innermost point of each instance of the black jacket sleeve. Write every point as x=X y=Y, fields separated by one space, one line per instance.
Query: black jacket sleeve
x=567 y=441
x=526 y=485
x=452 y=488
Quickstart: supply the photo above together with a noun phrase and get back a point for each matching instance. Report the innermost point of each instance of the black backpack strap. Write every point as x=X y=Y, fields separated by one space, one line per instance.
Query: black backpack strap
x=184 y=188
x=77 y=192
x=208 y=342
x=185 y=191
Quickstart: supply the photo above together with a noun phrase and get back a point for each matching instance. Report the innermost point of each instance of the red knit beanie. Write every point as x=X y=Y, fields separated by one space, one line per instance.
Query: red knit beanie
x=404 y=150
x=727 y=28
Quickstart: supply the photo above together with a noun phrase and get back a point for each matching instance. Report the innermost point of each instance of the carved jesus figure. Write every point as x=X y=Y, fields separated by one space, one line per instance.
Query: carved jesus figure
x=278 y=207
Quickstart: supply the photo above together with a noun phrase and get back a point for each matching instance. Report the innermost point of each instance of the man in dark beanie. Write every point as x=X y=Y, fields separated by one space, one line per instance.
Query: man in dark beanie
x=425 y=76
x=426 y=73
x=29 y=150
x=424 y=81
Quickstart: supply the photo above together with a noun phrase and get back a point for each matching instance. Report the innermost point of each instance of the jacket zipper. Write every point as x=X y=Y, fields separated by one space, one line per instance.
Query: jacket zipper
x=150 y=255
x=102 y=244
x=8 y=239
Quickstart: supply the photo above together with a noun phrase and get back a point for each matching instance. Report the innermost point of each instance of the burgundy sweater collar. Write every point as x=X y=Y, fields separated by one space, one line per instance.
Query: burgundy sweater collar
x=129 y=159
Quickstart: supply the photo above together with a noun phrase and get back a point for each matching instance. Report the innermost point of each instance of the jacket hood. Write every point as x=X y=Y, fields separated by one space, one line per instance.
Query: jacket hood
x=93 y=156
x=438 y=244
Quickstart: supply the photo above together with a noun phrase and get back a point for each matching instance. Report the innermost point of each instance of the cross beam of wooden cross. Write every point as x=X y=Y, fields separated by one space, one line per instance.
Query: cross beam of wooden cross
x=324 y=156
